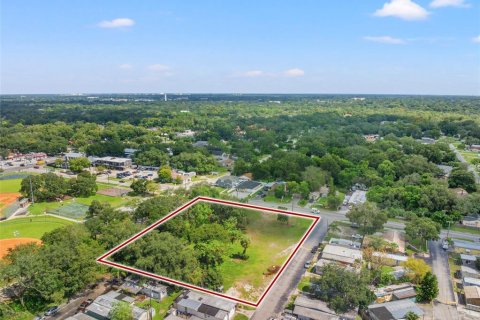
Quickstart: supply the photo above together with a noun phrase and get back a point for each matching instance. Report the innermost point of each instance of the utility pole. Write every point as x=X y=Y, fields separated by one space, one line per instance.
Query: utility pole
x=31 y=190
x=448 y=230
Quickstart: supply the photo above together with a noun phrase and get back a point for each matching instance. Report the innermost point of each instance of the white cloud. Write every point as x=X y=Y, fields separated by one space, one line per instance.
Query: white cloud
x=253 y=73
x=294 y=72
x=117 y=23
x=476 y=39
x=125 y=66
x=403 y=9
x=449 y=3
x=158 y=67
x=385 y=39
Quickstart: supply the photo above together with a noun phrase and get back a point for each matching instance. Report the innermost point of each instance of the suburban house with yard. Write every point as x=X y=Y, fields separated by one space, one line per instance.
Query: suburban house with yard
x=194 y=305
x=246 y=188
x=186 y=177
x=394 y=310
x=395 y=292
x=113 y=162
x=151 y=289
x=337 y=254
x=313 y=309
x=389 y=258
x=227 y=182
x=102 y=306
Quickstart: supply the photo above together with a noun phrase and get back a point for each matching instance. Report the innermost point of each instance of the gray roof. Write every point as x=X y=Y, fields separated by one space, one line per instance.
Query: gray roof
x=466 y=244
x=207 y=304
x=468 y=257
x=394 y=309
x=313 y=314
x=104 y=303
x=249 y=185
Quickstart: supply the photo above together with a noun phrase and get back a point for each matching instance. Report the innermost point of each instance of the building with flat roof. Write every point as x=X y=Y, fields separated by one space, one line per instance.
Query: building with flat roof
x=113 y=162
x=395 y=292
x=394 y=310
x=341 y=254
x=201 y=306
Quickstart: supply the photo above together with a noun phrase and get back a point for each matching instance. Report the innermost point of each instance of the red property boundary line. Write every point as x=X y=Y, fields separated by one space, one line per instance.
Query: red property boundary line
x=103 y=259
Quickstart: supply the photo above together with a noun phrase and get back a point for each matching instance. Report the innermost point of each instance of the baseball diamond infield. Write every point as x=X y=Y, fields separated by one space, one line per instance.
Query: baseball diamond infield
x=302 y=223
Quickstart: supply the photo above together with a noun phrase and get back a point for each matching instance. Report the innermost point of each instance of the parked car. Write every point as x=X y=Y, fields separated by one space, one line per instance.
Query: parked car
x=52 y=311
x=84 y=305
x=307 y=265
x=314 y=249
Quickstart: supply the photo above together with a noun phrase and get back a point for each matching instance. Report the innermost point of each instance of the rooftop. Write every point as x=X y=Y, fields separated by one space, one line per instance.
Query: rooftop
x=394 y=309
x=249 y=185
x=472 y=292
x=341 y=254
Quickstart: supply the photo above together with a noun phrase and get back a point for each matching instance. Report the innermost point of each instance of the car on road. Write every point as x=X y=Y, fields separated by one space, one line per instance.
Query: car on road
x=51 y=311
x=307 y=265
x=84 y=305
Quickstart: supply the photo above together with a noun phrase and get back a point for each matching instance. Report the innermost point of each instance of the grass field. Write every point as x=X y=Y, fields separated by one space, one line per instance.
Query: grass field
x=271 y=244
x=34 y=227
x=10 y=185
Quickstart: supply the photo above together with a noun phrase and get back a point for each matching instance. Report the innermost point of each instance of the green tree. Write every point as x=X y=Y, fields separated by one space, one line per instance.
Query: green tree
x=416 y=269
x=422 y=228
x=139 y=186
x=342 y=289
x=245 y=243
x=461 y=178
x=210 y=253
x=368 y=217
x=477 y=263
x=428 y=289
x=410 y=315
x=315 y=177
x=84 y=185
x=165 y=174
x=121 y=311
x=78 y=164
x=282 y=218
x=45 y=187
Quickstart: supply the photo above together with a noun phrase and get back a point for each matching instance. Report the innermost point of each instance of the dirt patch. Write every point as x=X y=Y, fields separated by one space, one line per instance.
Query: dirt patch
x=8 y=198
x=286 y=251
x=113 y=192
x=11 y=243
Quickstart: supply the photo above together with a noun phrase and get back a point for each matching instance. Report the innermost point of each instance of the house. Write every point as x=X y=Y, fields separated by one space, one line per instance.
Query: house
x=371 y=137
x=72 y=155
x=129 y=152
x=469 y=272
x=466 y=245
x=390 y=259
x=468 y=259
x=397 y=237
x=340 y=254
x=471 y=221
x=113 y=162
x=474 y=147
x=446 y=170
x=472 y=297
x=358 y=197
x=395 y=292
x=426 y=140
x=102 y=306
x=186 y=177
x=313 y=309
x=185 y=134
x=393 y=310
x=202 y=306
x=227 y=182
x=200 y=144
x=468 y=281
x=151 y=289
x=249 y=186
x=219 y=155
x=345 y=243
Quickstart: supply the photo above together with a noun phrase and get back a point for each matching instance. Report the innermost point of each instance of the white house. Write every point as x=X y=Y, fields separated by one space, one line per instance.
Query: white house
x=203 y=306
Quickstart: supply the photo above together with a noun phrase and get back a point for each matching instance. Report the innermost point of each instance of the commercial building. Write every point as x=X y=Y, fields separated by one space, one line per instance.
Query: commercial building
x=113 y=162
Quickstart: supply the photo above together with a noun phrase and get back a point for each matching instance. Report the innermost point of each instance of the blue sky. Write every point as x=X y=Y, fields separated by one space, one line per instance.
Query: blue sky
x=317 y=46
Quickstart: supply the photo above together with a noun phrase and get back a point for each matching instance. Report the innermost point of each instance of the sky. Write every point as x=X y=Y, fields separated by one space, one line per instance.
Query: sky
x=262 y=46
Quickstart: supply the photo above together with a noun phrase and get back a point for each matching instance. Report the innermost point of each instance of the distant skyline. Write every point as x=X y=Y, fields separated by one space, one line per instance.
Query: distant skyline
x=427 y=47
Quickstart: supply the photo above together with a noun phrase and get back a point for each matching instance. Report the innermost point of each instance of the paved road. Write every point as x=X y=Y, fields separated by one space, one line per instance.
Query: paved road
x=276 y=300
x=462 y=159
x=439 y=262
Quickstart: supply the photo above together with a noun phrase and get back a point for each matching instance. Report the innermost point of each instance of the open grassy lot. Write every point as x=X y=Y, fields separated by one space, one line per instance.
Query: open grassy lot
x=272 y=198
x=271 y=244
x=34 y=227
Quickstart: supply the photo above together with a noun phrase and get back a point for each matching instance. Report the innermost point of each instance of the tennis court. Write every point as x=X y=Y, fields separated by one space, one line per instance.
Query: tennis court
x=72 y=210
